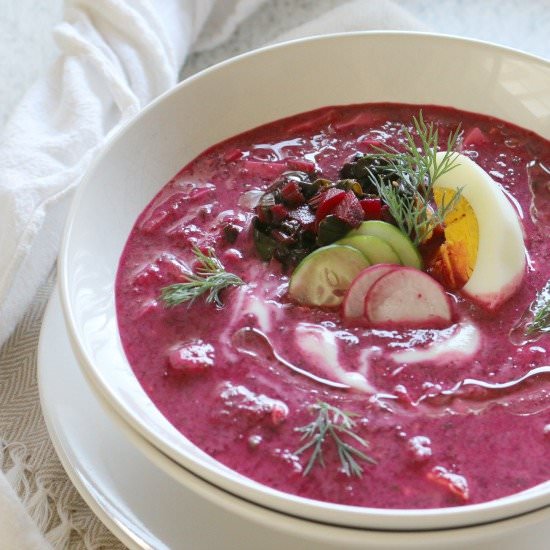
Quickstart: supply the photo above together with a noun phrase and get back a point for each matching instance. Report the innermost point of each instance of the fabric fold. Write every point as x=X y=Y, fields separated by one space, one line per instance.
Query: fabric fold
x=116 y=56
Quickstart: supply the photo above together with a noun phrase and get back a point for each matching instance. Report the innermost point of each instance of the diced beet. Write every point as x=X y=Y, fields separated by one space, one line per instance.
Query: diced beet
x=475 y=137
x=301 y=164
x=304 y=215
x=372 y=208
x=264 y=214
x=278 y=213
x=349 y=210
x=192 y=358
x=330 y=200
x=291 y=194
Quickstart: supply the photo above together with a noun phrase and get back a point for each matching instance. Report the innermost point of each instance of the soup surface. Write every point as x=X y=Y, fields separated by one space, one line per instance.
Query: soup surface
x=438 y=416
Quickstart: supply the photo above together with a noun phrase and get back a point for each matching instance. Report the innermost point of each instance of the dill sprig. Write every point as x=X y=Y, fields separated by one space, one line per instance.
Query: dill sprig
x=334 y=423
x=209 y=278
x=413 y=172
x=540 y=308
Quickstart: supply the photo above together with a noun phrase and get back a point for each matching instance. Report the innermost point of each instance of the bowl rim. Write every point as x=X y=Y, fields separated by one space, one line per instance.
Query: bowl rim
x=532 y=499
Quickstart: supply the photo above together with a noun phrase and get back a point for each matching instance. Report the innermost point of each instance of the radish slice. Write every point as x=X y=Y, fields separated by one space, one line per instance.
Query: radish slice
x=407 y=298
x=354 y=300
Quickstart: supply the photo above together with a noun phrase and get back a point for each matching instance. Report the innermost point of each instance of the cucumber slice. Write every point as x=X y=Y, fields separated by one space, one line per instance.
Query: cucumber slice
x=376 y=250
x=323 y=277
x=402 y=245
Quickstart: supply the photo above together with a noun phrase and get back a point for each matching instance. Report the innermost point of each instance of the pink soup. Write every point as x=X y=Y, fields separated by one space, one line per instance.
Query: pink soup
x=461 y=424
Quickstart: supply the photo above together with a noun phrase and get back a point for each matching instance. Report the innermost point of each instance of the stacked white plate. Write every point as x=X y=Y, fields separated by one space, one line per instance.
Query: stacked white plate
x=147 y=481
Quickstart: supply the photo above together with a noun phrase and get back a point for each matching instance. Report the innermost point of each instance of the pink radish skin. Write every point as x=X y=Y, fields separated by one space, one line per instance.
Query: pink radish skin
x=407 y=298
x=353 y=305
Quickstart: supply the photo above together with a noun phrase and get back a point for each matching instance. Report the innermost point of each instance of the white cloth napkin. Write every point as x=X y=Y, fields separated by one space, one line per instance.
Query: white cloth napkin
x=115 y=57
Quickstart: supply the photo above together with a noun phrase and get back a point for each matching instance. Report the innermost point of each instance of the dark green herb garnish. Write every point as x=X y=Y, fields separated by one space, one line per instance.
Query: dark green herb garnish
x=331 y=422
x=540 y=309
x=209 y=279
x=404 y=180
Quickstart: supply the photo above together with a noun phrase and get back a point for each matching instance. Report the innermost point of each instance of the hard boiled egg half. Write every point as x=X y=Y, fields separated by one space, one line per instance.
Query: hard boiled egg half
x=484 y=249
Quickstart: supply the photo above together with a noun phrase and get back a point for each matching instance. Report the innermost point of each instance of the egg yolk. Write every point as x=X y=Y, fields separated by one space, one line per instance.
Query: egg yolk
x=455 y=259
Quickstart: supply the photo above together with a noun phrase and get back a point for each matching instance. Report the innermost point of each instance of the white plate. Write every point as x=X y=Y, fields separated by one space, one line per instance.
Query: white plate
x=141 y=496
x=209 y=107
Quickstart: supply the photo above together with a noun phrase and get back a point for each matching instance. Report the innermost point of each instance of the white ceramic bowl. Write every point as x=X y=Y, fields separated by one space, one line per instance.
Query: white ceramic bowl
x=223 y=101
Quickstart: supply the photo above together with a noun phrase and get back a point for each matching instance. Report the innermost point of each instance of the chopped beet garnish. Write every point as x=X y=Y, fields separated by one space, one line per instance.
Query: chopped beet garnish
x=291 y=194
x=329 y=201
x=304 y=216
x=278 y=213
x=372 y=208
x=349 y=210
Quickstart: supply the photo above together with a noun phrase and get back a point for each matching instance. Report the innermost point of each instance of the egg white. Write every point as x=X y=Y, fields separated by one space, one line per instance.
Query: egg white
x=501 y=256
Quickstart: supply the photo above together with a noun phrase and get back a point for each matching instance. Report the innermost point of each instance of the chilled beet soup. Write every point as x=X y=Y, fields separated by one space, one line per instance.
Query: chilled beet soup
x=329 y=307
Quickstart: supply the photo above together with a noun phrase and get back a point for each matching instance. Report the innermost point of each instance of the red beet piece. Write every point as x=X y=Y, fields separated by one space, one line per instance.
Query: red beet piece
x=278 y=213
x=291 y=194
x=304 y=215
x=349 y=210
x=372 y=208
x=330 y=200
